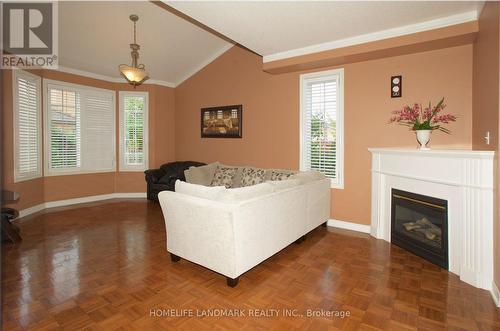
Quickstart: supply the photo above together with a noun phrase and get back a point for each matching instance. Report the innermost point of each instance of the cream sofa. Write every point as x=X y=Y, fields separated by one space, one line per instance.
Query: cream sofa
x=232 y=230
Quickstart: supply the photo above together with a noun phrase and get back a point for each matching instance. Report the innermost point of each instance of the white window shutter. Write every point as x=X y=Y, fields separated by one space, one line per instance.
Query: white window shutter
x=133 y=131
x=99 y=134
x=27 y=129
x=322 y=124
x=64 y=108
x=80 y=130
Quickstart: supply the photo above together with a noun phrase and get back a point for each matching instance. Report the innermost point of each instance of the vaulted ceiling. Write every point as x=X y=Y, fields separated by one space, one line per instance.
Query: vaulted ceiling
x=94 y=36
x=282 y=29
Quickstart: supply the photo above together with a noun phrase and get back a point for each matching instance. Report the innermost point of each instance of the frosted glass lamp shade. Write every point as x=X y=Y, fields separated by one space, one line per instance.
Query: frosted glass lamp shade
x=135 y=76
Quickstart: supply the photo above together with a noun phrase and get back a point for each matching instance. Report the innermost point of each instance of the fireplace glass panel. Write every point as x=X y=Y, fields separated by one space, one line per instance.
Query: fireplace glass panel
x=419 y=225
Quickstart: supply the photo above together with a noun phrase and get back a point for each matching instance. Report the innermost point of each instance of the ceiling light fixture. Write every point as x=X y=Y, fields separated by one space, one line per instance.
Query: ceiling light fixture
x=135 y=74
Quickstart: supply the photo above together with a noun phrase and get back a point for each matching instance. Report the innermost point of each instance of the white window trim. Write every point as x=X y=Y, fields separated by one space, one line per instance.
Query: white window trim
x=337 y=183
x=122 y=166
x=15 y=99
x=46 y=128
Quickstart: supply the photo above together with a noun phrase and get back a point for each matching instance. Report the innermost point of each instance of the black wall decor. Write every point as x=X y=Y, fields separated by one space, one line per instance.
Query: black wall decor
x=396 y=86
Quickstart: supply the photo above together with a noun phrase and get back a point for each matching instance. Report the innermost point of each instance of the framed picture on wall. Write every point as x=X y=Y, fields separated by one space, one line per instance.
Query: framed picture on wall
x=221 y=122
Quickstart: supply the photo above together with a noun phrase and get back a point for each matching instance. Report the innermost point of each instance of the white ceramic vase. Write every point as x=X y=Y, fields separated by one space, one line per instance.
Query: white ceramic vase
x=423 y=137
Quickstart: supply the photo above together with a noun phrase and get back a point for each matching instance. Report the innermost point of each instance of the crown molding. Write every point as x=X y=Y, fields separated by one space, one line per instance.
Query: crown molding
x=191 y=73
x=375 y=36
x=88 y=74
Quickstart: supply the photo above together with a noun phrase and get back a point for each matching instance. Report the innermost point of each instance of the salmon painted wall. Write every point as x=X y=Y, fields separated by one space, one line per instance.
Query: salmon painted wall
x=271 y=114
x=486 y=80
x=161 y=147
x=486 y=99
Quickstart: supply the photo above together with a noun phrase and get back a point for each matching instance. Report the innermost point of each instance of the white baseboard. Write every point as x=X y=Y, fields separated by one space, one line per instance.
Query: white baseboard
x=31 y=210
x=495 y=294
x=69 y=202
x=349 y=226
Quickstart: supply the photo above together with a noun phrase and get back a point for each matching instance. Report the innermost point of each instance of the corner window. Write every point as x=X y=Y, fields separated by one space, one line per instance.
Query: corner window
x=322 y=124
x=27 y=125
x=133 y=131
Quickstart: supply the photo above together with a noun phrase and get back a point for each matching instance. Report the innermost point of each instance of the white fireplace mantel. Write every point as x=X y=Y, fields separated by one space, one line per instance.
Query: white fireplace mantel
x=462 y=177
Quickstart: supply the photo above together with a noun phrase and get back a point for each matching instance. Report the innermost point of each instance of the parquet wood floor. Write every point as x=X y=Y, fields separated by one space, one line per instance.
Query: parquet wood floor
x=104 y=266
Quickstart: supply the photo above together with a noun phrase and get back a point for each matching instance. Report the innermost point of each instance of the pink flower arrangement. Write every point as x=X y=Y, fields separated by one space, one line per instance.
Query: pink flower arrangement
x=418 y=118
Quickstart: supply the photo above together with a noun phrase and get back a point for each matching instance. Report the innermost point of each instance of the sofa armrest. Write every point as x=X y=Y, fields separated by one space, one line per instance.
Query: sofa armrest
x=200 y=230
x=154 y=175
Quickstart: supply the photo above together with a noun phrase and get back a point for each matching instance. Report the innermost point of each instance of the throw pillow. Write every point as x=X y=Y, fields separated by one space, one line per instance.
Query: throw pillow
x=237 y=177
x=201 y=175
x=281 y=174
x=252 y=176
x=200 y=191
x=224 y=177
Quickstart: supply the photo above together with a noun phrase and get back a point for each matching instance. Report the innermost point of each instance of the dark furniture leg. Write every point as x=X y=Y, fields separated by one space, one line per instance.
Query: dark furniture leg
x=232 y=282
x=10 y=232
x=174 y=258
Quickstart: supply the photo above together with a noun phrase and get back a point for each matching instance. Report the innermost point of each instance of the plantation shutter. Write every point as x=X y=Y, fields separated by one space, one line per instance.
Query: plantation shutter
x=134 y=110
x=65 y=130
x=81 y=128
x=320 y=127
x=99 y=131
x=27 y=126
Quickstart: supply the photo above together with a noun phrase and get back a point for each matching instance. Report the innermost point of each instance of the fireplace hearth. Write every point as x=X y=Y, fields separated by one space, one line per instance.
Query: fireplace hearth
x=419 y=225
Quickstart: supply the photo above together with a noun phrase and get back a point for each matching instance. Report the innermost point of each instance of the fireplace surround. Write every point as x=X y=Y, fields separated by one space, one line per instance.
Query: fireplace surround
x=462 y=178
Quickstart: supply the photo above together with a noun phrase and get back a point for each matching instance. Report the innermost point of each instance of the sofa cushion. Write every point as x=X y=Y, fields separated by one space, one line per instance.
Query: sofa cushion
x=224 y=176
x=245 y=193
x=252 y=176
x=201 y=175
x=279 y=185
x=279 y=174
x=200 y=191
x=308 y=176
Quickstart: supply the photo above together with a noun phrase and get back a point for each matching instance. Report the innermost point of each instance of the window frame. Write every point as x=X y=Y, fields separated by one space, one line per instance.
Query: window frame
x=122 y=165
x=46 y=128
x=18 y=73
x=338 y=75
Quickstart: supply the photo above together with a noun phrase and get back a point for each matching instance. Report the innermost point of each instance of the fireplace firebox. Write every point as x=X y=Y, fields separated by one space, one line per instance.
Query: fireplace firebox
x=419 y=224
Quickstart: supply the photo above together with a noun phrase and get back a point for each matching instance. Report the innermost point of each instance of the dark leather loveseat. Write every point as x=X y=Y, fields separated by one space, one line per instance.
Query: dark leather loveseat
x=163 y=179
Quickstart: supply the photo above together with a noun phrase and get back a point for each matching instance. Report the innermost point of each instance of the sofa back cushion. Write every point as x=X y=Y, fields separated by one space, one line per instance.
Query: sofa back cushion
x=201 y=175
x=224 y=176
x=279 y=185
x=245 y=193
x=252 y=176
x=308 y=176
x=200 y=191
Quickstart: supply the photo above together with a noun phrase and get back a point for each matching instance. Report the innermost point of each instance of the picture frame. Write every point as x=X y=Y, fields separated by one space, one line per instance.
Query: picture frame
x=222 y=122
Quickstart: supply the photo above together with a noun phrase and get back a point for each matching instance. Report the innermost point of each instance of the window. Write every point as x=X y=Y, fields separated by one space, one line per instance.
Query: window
x=322 y=108
x=80 y=129
x=133 y=131
x=27 y=122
